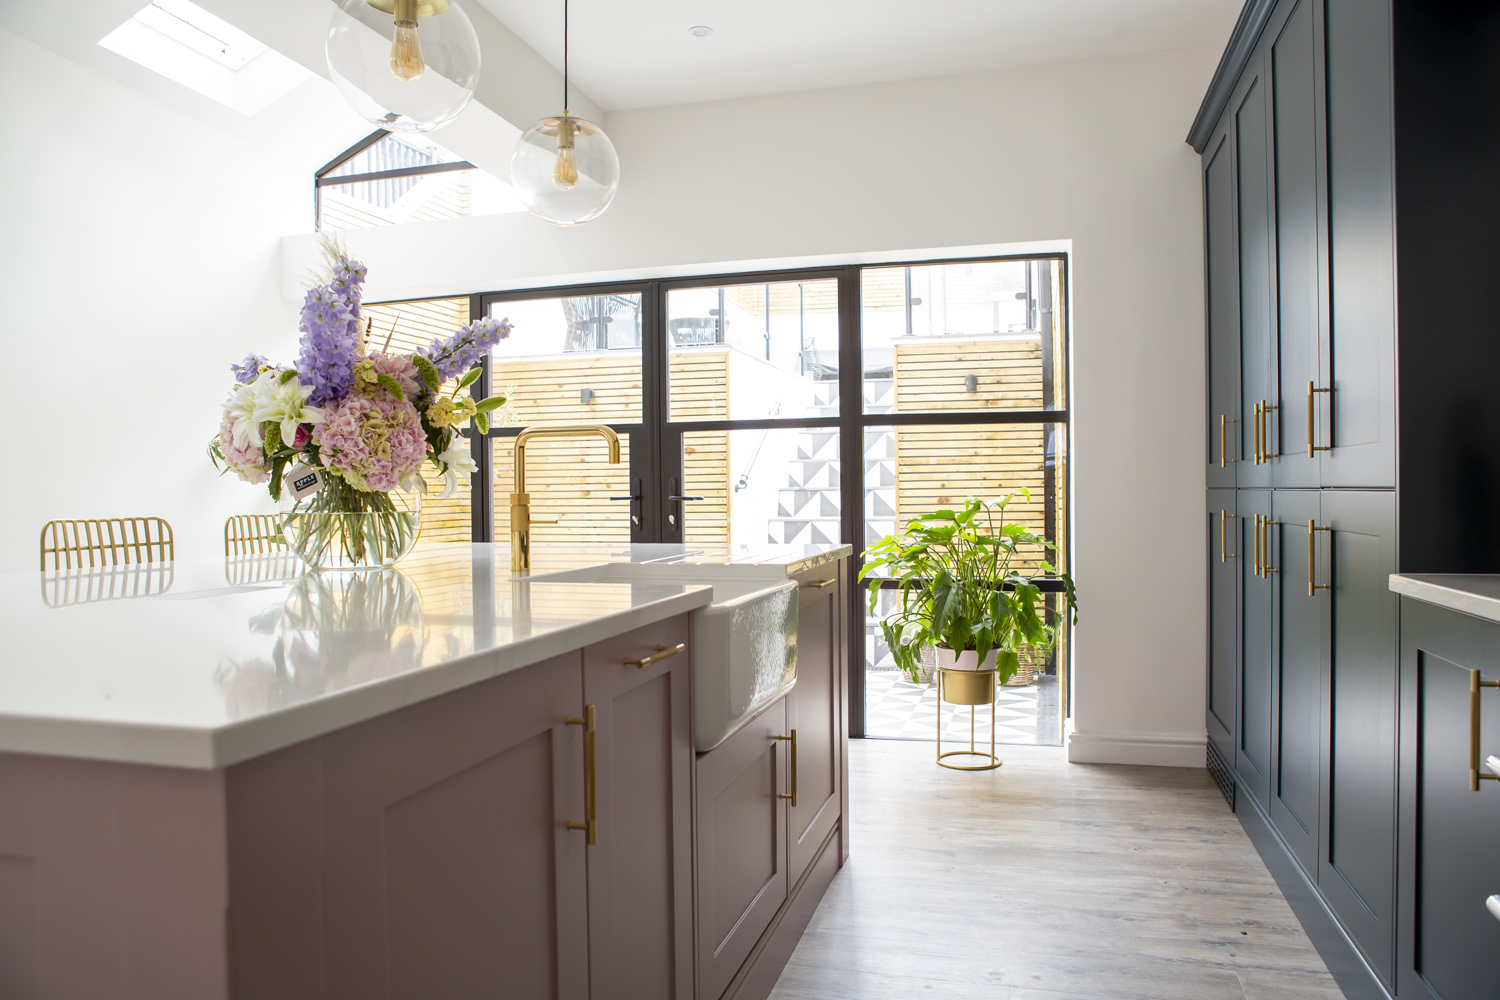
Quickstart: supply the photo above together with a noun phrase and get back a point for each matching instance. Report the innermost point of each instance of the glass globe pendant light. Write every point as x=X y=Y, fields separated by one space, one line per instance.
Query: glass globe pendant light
x=564 y=168
x=405 y=65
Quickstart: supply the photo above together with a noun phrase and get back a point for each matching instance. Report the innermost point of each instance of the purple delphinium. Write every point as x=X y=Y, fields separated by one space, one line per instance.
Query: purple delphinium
x=248 y=371
x=456 y=354
x=330 y=333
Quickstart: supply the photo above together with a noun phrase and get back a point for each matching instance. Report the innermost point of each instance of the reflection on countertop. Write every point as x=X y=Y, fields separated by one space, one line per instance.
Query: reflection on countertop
x=207 y=662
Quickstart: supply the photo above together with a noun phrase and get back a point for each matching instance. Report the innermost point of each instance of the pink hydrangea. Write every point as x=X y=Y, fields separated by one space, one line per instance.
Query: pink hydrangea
x=248 y=462
x=373 y=442
x=400 y=368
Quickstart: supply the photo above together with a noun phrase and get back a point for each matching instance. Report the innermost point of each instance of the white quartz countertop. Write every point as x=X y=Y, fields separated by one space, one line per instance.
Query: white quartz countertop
x=204 y=663
x=1473 y=594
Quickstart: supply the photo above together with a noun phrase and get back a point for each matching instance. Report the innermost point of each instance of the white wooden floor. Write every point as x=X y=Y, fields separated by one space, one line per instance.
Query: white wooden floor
x=1045 y=880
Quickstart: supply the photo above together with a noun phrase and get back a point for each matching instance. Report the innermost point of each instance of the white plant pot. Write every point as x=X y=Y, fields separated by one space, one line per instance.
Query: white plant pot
x=968 y=659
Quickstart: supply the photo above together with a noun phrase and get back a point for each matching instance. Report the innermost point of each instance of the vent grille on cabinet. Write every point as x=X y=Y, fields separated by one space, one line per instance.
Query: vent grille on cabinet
x=1220 y=772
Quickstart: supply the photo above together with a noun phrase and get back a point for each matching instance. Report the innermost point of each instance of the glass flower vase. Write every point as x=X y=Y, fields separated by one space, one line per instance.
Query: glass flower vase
x=341 y=528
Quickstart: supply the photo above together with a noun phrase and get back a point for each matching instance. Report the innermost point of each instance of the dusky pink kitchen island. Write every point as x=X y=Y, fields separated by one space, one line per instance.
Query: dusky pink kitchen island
x=218 y=780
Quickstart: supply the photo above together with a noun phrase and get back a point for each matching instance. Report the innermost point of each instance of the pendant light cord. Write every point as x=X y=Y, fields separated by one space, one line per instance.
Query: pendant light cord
x=565 y=56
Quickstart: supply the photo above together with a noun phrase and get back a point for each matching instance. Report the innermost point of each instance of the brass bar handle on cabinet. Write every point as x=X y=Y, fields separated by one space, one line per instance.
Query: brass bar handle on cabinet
x=1475 y=774
x=1257 y=544
x=662 y=652
x=590 y=824
x=1266 y=454
x=1224 y=422
x=1312 y=446
x=783 y=795
x=1258 y=446
x=1312 y=559
x=1266 y=569
x=820 y=584
x=1224 y=554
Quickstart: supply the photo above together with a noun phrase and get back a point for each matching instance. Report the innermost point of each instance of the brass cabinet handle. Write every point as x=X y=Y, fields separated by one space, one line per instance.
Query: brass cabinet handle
x=1257 y=544
x=1224 y=554
x=823 y=583
x=1266 y=454
x=1312 y=559
x=1224 y=422
x=1266 y=569
x=1475 y=774
x=784 y=795
x=1312 y=446
x=1258 y=446
x=590 y=824
x=662 y=652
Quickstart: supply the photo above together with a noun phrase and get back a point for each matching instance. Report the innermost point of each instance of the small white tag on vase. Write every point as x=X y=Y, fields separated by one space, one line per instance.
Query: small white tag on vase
x=304 y=481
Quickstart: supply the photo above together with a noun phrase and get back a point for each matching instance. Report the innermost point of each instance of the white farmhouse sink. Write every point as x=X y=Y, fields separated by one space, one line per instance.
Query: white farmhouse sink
x=744 y=643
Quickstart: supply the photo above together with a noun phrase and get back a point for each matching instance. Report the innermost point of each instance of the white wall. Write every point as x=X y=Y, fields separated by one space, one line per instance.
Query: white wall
x=139 y=258
x=1088 y=155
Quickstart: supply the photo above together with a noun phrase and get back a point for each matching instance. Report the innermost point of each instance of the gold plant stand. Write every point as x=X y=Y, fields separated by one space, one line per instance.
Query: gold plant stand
x=972 y=688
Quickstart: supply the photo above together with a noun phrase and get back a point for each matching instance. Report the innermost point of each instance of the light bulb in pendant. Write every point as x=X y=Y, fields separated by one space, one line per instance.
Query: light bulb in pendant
x=406 y=52
x=565 y=170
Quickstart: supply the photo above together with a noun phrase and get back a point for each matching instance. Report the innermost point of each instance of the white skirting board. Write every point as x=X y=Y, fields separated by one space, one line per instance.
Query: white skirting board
x=1138 y=748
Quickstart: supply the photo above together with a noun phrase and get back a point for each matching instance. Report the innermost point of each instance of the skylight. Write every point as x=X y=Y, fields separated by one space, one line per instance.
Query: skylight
x=205 y=53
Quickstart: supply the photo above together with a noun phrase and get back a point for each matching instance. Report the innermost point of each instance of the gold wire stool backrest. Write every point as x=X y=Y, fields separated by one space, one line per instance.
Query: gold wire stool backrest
x=249 y=534
x=107 y=541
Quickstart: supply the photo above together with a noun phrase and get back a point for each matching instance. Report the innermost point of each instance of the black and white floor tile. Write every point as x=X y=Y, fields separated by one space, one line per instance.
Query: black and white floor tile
x=895 y=708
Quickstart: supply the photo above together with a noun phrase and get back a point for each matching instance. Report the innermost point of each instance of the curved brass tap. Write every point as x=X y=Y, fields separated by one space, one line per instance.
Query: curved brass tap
x=520 y=500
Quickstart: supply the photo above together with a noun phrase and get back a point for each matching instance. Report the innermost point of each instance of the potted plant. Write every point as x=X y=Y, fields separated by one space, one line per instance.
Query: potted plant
x=961 y=592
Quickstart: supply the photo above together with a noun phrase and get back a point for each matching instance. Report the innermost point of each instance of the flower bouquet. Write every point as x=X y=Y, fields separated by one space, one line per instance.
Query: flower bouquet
x=341 y=437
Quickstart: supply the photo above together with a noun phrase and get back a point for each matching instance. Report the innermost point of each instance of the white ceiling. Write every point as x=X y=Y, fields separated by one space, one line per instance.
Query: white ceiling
x=638 y=53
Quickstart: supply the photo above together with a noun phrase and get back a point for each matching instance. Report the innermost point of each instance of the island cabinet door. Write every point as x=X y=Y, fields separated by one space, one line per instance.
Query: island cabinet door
x=813 y=714
x=1448 y=940
x=422 y=854
x=741 y=845
x=640 y=865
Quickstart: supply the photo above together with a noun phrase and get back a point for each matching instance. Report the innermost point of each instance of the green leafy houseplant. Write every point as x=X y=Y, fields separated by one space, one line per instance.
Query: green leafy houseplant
x=959 y=590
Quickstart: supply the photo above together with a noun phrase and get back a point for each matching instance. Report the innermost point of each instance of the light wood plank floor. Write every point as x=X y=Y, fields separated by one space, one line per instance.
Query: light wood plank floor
x=1045 y=880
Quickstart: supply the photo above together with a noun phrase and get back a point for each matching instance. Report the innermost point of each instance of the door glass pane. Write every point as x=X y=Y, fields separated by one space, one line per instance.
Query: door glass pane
x=919 y=469
x=963 y=337
x=748 y=352
x=762 y=487
x=571 y=360
x=570 y=481
x=402 y=328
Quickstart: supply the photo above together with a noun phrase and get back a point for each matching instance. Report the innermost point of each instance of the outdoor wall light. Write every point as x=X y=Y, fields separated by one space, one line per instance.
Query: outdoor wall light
x=564 y=169
x=971 y=383
x=405 y=65
x=585 y=395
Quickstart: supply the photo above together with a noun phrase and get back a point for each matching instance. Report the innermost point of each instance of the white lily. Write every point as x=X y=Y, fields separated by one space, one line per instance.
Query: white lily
x=241 y=409
x=284 y=403
x=458 y=465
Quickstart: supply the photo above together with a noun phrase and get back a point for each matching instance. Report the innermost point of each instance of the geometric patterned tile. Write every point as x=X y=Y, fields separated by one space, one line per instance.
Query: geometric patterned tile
x=895 y=708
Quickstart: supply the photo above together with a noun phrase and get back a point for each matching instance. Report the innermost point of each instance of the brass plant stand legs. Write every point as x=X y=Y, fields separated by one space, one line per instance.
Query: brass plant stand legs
x=972 y=688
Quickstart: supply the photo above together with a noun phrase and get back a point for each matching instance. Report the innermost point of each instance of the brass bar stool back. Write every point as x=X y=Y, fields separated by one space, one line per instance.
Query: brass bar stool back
x=252 y=534
x=87 y=543
x=972 y=688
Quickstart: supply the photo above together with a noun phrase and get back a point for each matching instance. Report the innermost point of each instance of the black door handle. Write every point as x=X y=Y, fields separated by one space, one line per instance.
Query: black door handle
x=684 y=498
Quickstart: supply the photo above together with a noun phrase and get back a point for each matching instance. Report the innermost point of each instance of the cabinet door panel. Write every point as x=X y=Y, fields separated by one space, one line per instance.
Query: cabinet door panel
x=812 y=710
x=640 y=866
x=1359 y=838
x=1299 y=679
x=1257 y=644
x=1449 y=945
x=1253 y=221
x=1225 y=547
x=1362 y=221
x=447 y=863
x=741 y=846
x=1299 y=245
x=1223 y=310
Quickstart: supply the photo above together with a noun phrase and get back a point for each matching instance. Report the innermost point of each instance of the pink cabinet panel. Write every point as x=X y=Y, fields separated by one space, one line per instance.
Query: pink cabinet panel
x=640 y=867
x=741 y=834
x=814 y=711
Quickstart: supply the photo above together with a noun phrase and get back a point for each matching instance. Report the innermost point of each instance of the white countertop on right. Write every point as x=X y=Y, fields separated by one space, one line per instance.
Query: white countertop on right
x=1471 y=593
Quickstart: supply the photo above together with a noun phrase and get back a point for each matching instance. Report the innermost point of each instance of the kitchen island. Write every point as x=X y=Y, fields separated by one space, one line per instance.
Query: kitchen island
x=220 y=780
